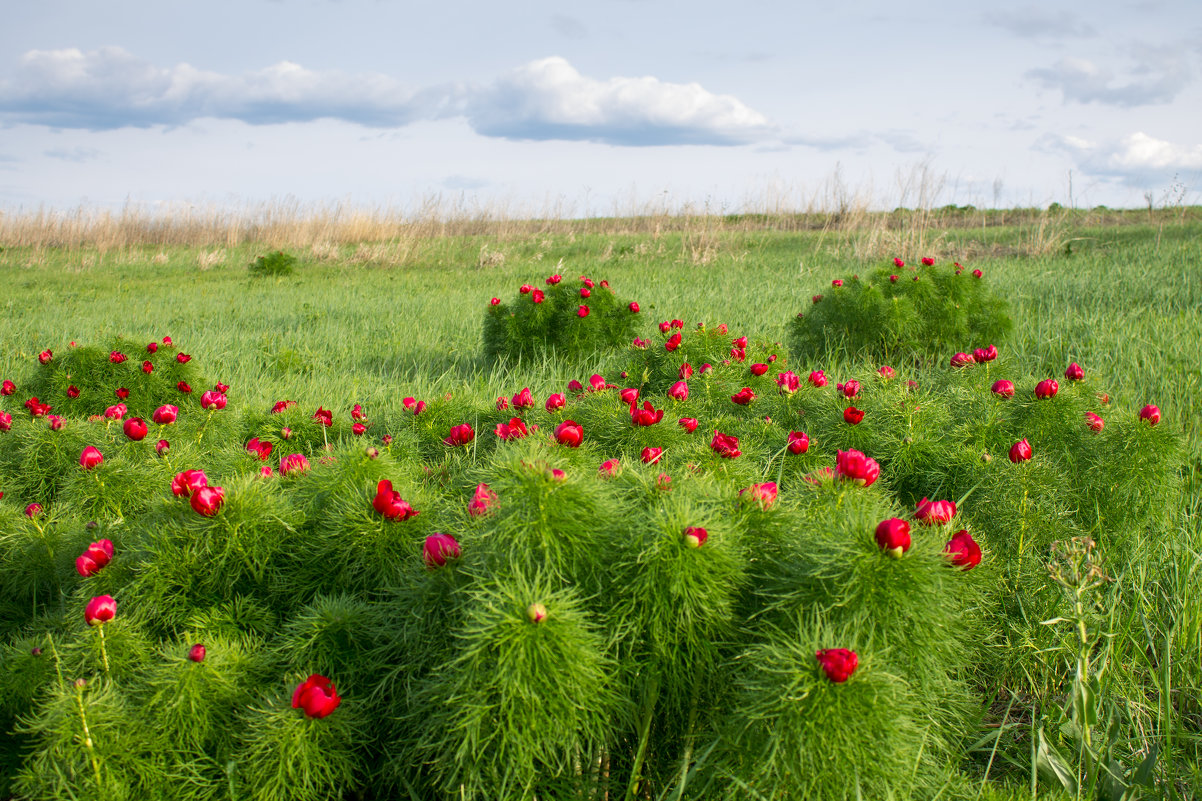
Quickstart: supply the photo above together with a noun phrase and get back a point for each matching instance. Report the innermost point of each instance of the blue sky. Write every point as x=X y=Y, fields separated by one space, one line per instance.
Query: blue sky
x=607 y=107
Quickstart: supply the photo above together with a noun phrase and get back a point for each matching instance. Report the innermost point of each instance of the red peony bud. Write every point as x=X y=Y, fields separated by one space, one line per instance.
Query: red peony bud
x=317 y=696
x=1094 y=422
x=294 y=463
x=461 y=434
x=799 y=443
x=1046 y=388
x=759 y=369
x=964 y=550
x=837 y=663
x=196 y=653
x=634 y=307
x=934 y=513
x=556 y=400
x=854 y=466
x=165 y=415
x=536 y=613
x=893 y=536
x=609 y=468
x=438 y=549
x=207 y=500
x=1074 y=372
x=162 y=447
x=689 y=424
x=852 y=415
x=100 y=610
x=1151 y=414
x=569 y=433
x=1003 y=388
x=90 y=458
x=1020 y=451
x=33 y=511
x=695 y=536
x=135 y=428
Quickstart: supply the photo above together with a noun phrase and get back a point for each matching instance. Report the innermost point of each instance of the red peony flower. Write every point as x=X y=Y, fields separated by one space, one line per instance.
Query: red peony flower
x=514 y=429
x=90 y=458
x=743 y=397
x=817 y=378
x=45 y=356
x=323 y=416
x=483 y=501
x=679 y=391
x=95 y=557
x=569 y=433
x=122 y=393
x=100 y=610
x=317 y=696
x=56 y=422
x=8 y=387
x=184 y=387
x=554 y=279
x=837 y=663
x=976 y=273
x=609 y=468
x=689 y=424
x=461 y=434
x=597 y=382
x=854 y=466
x=893 y=536
x=583 y=310
x=555 y=401
x=1003 y=388
x=964 y=550
x=850 y=389
x=1151 y=414
x=147 y=367
x=135 y=428
x=585 y=292
x=788 y=382
x=759 y=369
x=294 y=463
x=33 y=510
x=852 y=416
x=212 y=400
x=725 y=445
x=72 y=392
x=183 y=358
x=537 y=295
x=695 y=536
x=6 y=421
x=282 y=405
x=963 y=360
x=927 y=261
x=646 y=416
x=673 y=342
x=165 y=415
x=207 y=500
x=116 y=357
x=629 y=395
x=934 y=513
x=495 y=302
x=389 y=503
x=189 y=481
x=763 y=494
x=651 y=455
x=1094 y=422
x=799 y=443
x=1046 y=388
x=634 y=307
x=885 y=372
x=898 y=263
x=438 y=549
x=523 y=399
x=1020 y=451
x=259 y=448
x=196 y=653
x=1074 y=372
x=161 y=447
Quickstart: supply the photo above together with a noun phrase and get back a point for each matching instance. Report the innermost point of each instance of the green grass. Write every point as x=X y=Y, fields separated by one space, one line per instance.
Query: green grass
x=1125 y=302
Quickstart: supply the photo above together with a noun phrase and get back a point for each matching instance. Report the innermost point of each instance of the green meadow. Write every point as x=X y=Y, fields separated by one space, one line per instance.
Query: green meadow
x=377 y=321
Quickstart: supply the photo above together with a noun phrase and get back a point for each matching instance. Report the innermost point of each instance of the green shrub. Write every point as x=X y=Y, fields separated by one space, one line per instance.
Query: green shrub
x=276 y=264
x=901 y=313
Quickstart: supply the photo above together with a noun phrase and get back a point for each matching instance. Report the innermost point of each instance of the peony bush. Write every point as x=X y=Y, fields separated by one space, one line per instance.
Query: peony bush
x=695 y=576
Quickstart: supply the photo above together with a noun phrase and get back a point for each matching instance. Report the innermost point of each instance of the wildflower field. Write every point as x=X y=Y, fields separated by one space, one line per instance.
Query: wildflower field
x=578 y=513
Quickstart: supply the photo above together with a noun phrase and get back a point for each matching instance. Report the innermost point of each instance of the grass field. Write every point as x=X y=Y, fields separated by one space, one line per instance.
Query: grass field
x=375 y=322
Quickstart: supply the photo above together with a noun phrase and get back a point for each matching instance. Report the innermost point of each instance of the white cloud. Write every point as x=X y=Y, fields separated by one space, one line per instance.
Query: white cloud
x=1138 y=160
x=1035 y=23
x=550 y=99
x=1158 y=76
x=547 y=99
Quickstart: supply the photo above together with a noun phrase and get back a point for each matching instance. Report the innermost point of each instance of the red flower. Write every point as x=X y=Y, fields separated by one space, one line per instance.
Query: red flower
x=207 y=500
x=927 y=261
x=964 y=550
x=1094 y=422
x=514 y=429
x=738 y=354
x=502 y=403
x=196 y=653
x=1074 y=372
x=183 y=358
x=695 y=536
x=33 y=510
x=629 y=395
x=893 y=279
x=536 y=613
x=816 y=299
x=419 y=407
x=852 y=416
x=95 y=557
x=976 y=273
x=679 y=391
x=817 y=378
x=1151 y=414
x=788 y=382
x=663 y=482
x=483 y=501
x=358 y=429
x=523 y=399
x=495 y=302
x=651 y=455
x=183 y=386
x=122 y=393
x=1003 y=388
x=725 y=445
x=38 y=409
x=438 y=549
x=1020 y=451
x=90 y=458
x=885 y=372
x=689 y=424
x=161 y=447
x=100 y=610
x=609 y=468
x=838 y=663
x=213 y=400
x=962 y=360
x=555 y=401
x=56 y=422
x=673 y=342
x=799 y=443
x=323 y=416
x=585 y=292
x=576 y=386
x=461 y=434
x=45 y=356
x=282 y=405
x=597 y=382
x=294 y=463
x=317 y=696
x=763 y=494
x=1046 y=388
x=554 y=279
x=259 y=448
x=934 y=513
x=167 y=341
x=189 y=481
x=583 y=310
x=634 y=307
x=759 y=369
x=8 y=387
x=640 y=344
x=389 y=503
x=152 y=347
x=525 y=289
x=743 y=397
x=569 y=433
x=893 y=536
x=116 y=357
x=855 y=466
x=898 y=263
x=147 y=367
x=72 y=391
x=135 y=428
x=646 y=416
x=838 y=282
x=850 y=389
x=985 y=354
x=357 y=414
x=665 y=326
x=536 y=295
x=165 y=415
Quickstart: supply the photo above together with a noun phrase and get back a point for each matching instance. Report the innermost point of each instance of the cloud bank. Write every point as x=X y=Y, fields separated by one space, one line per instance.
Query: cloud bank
x=1158 y=76
x=546 y=99
x=1139 y=160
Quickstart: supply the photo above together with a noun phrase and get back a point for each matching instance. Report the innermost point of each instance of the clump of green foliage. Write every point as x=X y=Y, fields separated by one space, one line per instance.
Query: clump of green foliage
x=277 y=263
x=578 y=318
x=901 y=313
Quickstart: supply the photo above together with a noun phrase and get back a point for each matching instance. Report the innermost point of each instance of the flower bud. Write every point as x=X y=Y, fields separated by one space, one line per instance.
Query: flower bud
x=893 y=536
x=536 y=613
x=695 y=536
x=196 y=653
x=1020 y=451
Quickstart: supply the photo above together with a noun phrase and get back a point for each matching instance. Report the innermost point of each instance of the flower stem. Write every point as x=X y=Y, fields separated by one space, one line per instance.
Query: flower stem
x=87 y=735
x=104 y=654
x=650 y=696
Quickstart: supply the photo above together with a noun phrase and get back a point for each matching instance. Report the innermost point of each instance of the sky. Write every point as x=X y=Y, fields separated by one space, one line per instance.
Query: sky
x=599 y=108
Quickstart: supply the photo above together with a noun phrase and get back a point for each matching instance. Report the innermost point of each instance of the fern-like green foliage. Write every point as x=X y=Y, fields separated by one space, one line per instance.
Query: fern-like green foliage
x=274 y=264
x=578 y=318
x=901 y=313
